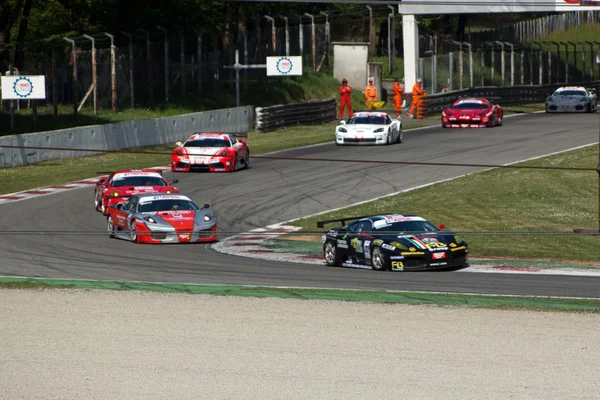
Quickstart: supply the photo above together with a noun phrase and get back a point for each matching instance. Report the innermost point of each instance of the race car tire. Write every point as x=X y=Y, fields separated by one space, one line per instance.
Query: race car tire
x=399 y=140
x=247 y=161
x=499 y=121
x=133 y=233
x=332 y=257
x=589 y=108
x=377 y=259
x=97 y=205
x=110 y=226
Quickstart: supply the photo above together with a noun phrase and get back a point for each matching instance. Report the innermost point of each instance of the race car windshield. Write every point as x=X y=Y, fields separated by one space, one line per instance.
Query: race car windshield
x=408 y=226
x=139 y=181
x=167 y=205
x=368 y=120
x=570 y=93
x=477 y=106
x=210 y=142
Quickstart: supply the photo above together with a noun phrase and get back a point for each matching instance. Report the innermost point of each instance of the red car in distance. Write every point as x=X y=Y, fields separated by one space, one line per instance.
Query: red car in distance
x=472 y=113
x=121 y=185
x=214 y=152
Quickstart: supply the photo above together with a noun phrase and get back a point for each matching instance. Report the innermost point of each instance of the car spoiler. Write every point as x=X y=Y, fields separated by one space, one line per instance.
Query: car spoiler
x=321 y=224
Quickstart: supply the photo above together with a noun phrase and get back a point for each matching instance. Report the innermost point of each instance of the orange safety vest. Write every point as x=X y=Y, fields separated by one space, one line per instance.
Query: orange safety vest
x=371 y=92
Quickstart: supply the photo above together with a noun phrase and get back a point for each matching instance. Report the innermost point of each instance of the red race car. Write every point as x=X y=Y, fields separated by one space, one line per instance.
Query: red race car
x=214 y=152
x=121 y=185
x=472 y=113
x=161 y=218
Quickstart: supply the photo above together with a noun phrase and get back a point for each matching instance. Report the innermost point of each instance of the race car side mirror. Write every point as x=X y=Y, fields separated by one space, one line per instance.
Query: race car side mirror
x=175 y=181
x=342 y=122
x=179 y=144
x=206 y=206
x=101 y=181
x=442 y=226
x=118 y=206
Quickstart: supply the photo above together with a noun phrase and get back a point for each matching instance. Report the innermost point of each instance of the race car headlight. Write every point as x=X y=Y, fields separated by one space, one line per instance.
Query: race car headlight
x=584 y=100
x=378 y=130
x=150 y=219
x=398 y=245
x=458 y=239
x=549 y=100
x=208 y=217
x=344 y=130
x=115 y=194
x=179 y=152
x=168 y=192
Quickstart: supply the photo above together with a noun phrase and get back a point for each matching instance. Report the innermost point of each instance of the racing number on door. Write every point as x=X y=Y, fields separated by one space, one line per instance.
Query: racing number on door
x=397 y=265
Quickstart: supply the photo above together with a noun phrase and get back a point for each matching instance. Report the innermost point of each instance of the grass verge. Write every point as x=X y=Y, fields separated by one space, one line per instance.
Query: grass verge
x=507 y=213
x=414 y=298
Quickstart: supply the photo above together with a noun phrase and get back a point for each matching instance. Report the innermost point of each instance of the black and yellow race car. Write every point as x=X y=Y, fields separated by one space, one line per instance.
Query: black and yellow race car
x=395 y=242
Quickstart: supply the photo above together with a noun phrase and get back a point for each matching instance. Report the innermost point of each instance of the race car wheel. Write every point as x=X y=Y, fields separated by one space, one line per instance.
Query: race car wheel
x=133 y=233
x=378 y=259
x=97 y=205
x=247 y=161
x=332 y=257
x=388 y=139
x=499 y=121
x=399 y=140
x=110 y=227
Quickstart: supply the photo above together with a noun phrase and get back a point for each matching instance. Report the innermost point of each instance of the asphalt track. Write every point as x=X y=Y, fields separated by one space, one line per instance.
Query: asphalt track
x=273 y=191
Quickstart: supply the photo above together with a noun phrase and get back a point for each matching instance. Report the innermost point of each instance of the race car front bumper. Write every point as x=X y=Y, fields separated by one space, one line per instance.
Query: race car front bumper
x=361 y=140
x=218 y=164
x=570 y=108
x=169 y=235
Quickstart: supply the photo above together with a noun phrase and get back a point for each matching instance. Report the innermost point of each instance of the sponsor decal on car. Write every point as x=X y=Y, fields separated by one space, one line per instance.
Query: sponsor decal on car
x=342 y=244
x=438 y=256
x=413 y=253
x=397 y=266
x=396 y=257
x=459 y=248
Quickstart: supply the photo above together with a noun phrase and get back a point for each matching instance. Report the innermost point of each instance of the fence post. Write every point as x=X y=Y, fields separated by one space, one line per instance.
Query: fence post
x=391 y=40
x=470 y=64
x=502 y=64
x=512 y=63
x=54 y=99
x=482 y=52
x=179 y=30
x=287 y=35
x=566 y=62
x=371 y=33
x=451 y=68
x=313 y=41
x=522 y=65
x=113 y=73
x=549 y=63
x=94 y=73
x=530 y=64
x=273 y=35
x=460 y=65
x=591 y=59
x=245 y=37
x=327 y=39
x=301 y=38
x=574 y=56
x=33 y=102
x=166 y=62
x=131 y=69
x=74 y=62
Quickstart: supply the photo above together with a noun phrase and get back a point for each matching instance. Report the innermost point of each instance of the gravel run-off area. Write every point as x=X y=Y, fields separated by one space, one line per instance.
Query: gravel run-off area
x=96 y=344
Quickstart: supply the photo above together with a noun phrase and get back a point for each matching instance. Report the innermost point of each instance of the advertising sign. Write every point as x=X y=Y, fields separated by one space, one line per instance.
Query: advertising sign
x=493 y=6
x=284 y=66
x=21 y=87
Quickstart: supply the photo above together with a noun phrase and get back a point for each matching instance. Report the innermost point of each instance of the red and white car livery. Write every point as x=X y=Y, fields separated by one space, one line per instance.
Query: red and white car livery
x=214 y=152
x=472 y=113
x=161 y=218
x=569 y=99
x=121 y=185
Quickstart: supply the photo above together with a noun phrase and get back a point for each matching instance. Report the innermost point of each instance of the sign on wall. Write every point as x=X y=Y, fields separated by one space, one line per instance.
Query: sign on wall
x=493 y=6
x=21 y=87
x=284 y=66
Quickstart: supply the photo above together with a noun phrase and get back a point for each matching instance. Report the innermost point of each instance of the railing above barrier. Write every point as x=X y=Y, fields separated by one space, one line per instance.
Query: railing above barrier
x=271 y=118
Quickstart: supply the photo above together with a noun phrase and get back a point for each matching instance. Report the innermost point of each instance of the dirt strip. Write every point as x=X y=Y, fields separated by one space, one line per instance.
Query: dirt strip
x=94 y=344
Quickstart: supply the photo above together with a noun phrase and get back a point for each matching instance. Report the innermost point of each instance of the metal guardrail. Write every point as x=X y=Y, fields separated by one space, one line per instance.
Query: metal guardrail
x=505 y=96
x=271 y=118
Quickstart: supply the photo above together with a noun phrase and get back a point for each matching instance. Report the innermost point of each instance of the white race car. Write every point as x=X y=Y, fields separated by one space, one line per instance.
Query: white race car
x=572 y=99
x=369 y=128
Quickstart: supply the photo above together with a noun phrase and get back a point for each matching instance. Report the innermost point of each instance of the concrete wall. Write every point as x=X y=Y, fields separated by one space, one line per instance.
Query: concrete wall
x=121 y=135
x=350 y=62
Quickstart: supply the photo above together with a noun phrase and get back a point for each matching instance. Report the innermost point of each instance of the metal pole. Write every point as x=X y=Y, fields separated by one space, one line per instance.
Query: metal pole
x=287 y=35
x=470 y=64
x=74 y=62
x=558 y=62
x=574 y=54
x=182 y=58
x=512 y=63
x=451 y=68
x=482 y=50
x=245 y=60
x=392 y=29
x=313 y=41
x=166 y=63
x=371 y=32
x=11 y=68
x=148 y=68
x=502 y=64
x=389 y=44
x=460 y=65
x=237 y=78
x=300 y=39
x=113 y=72
x=94 y=73
x=131 y=76
x=327 y=37
x=54 y=99
x=566 y=62
x=591 y=60
x=199 y=51
x=273 y=35
x=33 y=102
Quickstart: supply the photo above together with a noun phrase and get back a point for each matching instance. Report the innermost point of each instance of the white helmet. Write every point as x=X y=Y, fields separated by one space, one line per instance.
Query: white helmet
x=419 y=80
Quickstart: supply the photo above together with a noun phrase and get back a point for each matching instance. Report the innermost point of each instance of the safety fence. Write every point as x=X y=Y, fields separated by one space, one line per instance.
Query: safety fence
x=274 y=117
x=505 y=96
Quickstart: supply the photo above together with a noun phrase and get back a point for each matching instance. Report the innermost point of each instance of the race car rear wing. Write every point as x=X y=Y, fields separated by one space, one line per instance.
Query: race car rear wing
x=321 y=224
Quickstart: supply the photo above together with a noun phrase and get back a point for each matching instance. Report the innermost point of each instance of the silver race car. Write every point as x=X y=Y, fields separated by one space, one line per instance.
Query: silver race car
x=369 y=128
x=572 y=99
